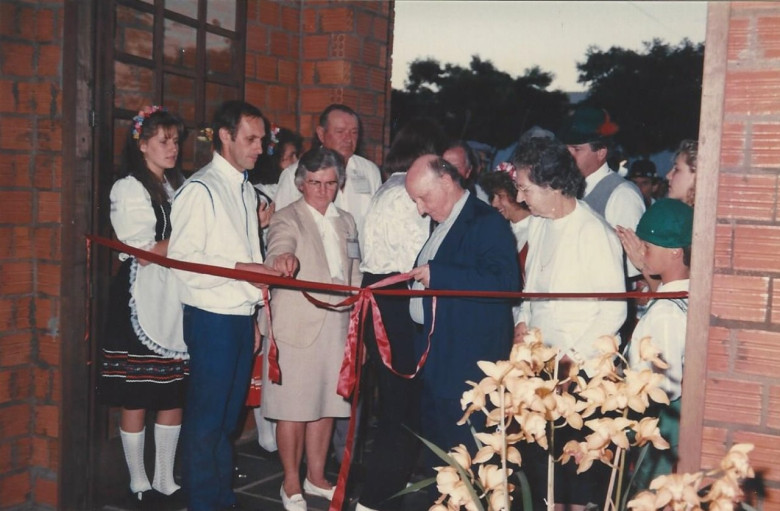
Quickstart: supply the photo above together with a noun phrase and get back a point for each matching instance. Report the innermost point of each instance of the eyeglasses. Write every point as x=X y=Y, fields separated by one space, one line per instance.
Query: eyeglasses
x=319 y=184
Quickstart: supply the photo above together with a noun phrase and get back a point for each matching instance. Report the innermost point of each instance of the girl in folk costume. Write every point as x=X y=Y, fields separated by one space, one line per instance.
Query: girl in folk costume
x=145 y=362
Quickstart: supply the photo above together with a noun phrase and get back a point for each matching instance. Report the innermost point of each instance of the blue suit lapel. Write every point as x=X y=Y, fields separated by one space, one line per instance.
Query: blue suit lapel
x=451 y=243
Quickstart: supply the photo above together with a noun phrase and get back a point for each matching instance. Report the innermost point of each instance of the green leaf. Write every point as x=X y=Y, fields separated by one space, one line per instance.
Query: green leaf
x=451 y=462
x=412 y=488
x=624 y=501
x=525 y=490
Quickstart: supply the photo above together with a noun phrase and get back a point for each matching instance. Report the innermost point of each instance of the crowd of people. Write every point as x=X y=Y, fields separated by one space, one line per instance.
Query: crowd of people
x=554 y=218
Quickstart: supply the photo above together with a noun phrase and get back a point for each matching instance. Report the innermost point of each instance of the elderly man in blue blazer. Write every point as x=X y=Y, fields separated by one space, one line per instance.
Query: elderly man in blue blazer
x=471 y=249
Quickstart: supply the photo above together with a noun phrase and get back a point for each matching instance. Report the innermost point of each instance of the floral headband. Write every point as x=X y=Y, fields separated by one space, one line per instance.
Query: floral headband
x=274 y=139
x=508 y=168
x=145 y=112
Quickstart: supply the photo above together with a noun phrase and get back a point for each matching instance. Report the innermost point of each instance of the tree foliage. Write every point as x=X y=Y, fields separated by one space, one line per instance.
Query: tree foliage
x=479 y=102
x=654 y=95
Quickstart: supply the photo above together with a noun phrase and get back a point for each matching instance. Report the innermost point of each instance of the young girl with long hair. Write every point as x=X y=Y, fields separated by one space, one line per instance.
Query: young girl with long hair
x=145 y=362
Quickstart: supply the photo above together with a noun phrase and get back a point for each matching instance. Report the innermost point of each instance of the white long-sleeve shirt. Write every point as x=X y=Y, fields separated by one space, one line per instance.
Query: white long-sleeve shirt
x=393 y=232
x=363 y=180
x=665 y=323
x=214 y=221
x=587 y=258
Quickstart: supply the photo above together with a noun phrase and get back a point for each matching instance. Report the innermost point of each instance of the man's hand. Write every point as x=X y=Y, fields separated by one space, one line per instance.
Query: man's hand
x=286 y=264
x=520 y=330
x=422 y=274
x=264 y=213
x=258 y=268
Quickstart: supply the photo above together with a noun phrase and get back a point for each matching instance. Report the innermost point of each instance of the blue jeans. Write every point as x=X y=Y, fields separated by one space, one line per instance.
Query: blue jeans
x=220 y=348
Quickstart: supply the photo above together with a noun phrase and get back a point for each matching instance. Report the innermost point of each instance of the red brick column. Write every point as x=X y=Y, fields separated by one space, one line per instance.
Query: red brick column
x=345 y=59
x=742 y=396
x=273 y=59
x=30 y=173
x=303 y=56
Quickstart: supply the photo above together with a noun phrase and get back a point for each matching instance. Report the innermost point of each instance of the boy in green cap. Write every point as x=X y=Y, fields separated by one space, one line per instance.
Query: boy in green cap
x=665 y=229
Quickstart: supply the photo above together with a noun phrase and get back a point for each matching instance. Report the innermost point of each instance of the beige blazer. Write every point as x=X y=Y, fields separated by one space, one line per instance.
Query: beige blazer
x=296 y=321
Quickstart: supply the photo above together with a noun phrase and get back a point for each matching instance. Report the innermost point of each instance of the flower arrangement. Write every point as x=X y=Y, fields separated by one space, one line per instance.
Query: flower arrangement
x=684 y=491
x=524 y=399
x=143 y=113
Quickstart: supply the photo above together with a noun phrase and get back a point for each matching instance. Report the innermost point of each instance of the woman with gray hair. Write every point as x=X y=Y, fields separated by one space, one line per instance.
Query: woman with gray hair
x=312 y=240
x=570 y=249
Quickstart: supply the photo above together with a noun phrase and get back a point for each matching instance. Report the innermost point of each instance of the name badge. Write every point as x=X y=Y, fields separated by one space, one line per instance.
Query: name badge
x=360 y=184
x=353 y=248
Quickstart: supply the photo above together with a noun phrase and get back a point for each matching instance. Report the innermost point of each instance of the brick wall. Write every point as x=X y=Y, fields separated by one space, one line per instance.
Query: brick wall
x=30 y=174
x=303 y=56
x=742 y=396
x=272 y=59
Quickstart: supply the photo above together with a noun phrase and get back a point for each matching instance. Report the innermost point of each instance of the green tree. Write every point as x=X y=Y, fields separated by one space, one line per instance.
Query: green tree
x=654 y=95
x=479 y=102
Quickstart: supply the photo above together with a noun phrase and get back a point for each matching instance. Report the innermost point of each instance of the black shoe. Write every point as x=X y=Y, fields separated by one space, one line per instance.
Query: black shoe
x=141 y=499
x=163 y=502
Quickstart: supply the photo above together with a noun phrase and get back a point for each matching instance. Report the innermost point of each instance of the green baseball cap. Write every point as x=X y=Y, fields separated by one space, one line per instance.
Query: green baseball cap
x=667 y=223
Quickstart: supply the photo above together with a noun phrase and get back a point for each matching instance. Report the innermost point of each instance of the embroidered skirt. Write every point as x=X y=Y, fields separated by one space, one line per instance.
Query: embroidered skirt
x=131 y=375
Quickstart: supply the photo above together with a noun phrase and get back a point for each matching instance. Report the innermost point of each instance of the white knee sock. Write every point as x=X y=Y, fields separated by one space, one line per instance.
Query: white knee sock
x=133 y=445
x=165 y=439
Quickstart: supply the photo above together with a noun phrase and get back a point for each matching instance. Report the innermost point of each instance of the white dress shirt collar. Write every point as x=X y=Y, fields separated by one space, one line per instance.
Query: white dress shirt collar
x=592 y=180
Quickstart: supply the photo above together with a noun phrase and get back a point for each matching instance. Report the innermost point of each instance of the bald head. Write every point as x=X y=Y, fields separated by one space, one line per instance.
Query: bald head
x=434 y=185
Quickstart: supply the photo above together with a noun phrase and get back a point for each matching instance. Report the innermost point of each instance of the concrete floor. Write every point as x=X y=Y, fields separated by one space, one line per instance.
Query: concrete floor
x=259 y=477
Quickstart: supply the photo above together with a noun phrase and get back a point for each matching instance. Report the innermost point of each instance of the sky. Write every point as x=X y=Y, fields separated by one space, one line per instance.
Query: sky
x=516 y=36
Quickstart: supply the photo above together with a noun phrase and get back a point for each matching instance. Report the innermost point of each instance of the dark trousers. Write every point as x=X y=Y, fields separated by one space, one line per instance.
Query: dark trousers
x=220 y=348
x=439 y=424
x=395 y=449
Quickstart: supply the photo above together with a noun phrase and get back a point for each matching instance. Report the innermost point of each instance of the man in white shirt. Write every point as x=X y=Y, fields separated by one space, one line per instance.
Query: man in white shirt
x=214 y=221
x=588 y=135
x=339 y=129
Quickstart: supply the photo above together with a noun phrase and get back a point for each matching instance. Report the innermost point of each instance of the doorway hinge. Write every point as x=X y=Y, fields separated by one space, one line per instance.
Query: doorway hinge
x=92 y=119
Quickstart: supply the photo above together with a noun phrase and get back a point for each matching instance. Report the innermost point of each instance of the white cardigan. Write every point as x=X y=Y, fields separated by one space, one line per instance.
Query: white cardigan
x=589 y=259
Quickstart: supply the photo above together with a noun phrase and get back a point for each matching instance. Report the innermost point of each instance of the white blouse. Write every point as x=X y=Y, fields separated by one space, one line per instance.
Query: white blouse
x=155 y=309
x=393 y=232
x=330 y=238
x=132 y=215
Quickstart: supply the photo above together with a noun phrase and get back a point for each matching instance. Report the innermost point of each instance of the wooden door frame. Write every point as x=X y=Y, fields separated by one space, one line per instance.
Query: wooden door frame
x=704 y=223
x=78 y=66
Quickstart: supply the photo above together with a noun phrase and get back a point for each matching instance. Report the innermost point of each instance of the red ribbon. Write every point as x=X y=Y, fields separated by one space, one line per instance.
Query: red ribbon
x=351 y=365
x=291 y=283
